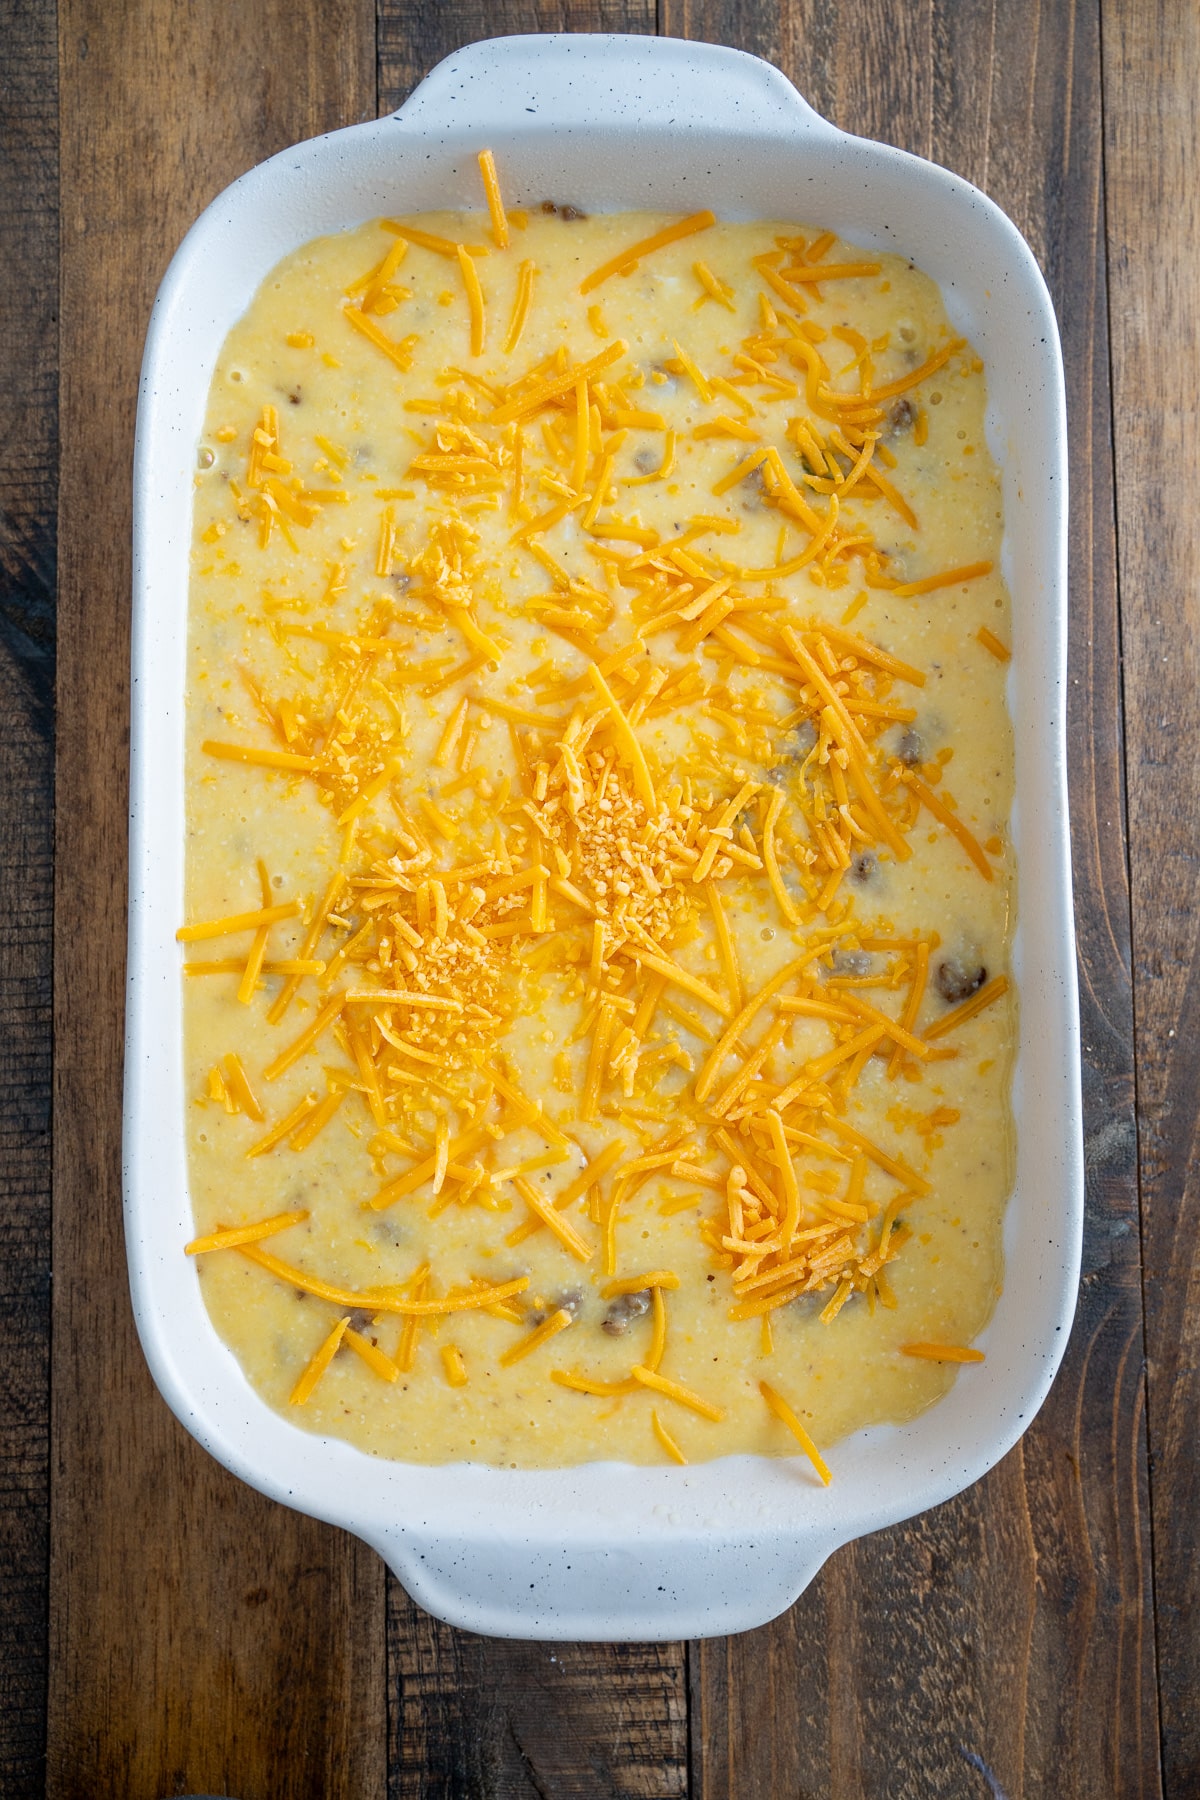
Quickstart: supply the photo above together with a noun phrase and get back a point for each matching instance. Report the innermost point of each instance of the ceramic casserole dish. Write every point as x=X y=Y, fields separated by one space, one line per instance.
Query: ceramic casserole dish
x=609 y=1551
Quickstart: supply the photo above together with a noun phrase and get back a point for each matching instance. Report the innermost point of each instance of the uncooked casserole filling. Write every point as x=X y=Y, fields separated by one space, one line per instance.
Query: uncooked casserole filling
x=597 y=1021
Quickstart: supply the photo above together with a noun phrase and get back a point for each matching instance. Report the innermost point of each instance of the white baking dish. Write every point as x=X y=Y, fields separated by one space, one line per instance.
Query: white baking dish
x=610 y=1551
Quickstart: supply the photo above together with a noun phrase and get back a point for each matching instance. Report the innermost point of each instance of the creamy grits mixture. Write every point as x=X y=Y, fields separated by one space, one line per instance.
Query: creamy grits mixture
x=599 y=891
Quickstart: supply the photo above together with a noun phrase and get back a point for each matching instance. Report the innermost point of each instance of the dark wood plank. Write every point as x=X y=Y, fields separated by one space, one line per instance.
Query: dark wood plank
x=202 y=1639
x=1005 y=1638
x=28 y=504
x=485 y=1718
x=497 y=1720
x=1150 y=58
x=413 y=35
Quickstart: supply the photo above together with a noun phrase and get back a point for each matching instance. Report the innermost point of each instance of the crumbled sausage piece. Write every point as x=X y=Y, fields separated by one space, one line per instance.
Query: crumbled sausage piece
x=957 y=980
x=792 y=746
x=624 y=1309
x=911 y=749
x=851 y=962
x=901 y=417
x=753 y=489
x=865 y=866
x=570 y=1301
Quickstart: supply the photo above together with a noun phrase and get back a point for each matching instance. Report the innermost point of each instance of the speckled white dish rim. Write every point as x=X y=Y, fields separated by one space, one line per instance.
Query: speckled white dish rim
x=606 y=1550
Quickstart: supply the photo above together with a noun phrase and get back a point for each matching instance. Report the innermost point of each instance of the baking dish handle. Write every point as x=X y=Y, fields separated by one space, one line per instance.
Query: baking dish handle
x=575 y=80
x=654 y=1590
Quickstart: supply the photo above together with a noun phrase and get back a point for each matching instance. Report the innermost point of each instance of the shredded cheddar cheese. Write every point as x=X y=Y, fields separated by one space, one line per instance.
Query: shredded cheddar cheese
x=558 y=1321
x=319 y=1362
x=470 y=277
x=375 y=1359
x=991 y=642
x=232 y=1236
x=628 y=259
x=666 y=1440
x=783 y=1411
x=952 y=1353
x=605 y=786
x=491 y=185
x=675 y=1390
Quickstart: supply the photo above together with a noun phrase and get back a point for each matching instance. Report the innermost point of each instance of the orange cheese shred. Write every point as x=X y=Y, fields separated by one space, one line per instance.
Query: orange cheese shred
x=950 y=578
x=784 y=1413
x=399 y=353
x=991 y=642
x=951 y=821
x=328 y=1013
x=675 y=1390
x=585 y=1384
x=319 y=1363
x=521 y=305
x=533 y=398
x=428 y=240
x=371 y=1354
x=626 y=260
x=230 y=1237
x=958 y=1353
x=558 y=1321
x=470 y=275
x=666 y=1440
x=247 y=921
x=549 y=1215
x=469 y=1301
x=238 y=1083
x=989 y=992
x=491 y=187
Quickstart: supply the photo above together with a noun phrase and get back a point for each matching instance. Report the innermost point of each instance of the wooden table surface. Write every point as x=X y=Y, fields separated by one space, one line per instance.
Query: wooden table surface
x=163 y=1630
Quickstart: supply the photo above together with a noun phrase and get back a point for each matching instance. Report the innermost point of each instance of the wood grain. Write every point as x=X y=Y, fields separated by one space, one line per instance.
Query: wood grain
x=1002 y=1639
x=476 y=1718
x=28 y=502
x=1153 y=215
x=497 y=1720
x=202 y=1639
x=413 y=35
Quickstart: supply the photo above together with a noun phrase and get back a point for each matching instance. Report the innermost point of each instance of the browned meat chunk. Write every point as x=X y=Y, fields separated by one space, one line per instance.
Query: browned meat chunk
x=623 y=1311
x=911 y=748
x=569 y=1301
x=851 y=962
x=957 y=980
x=793 y=746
